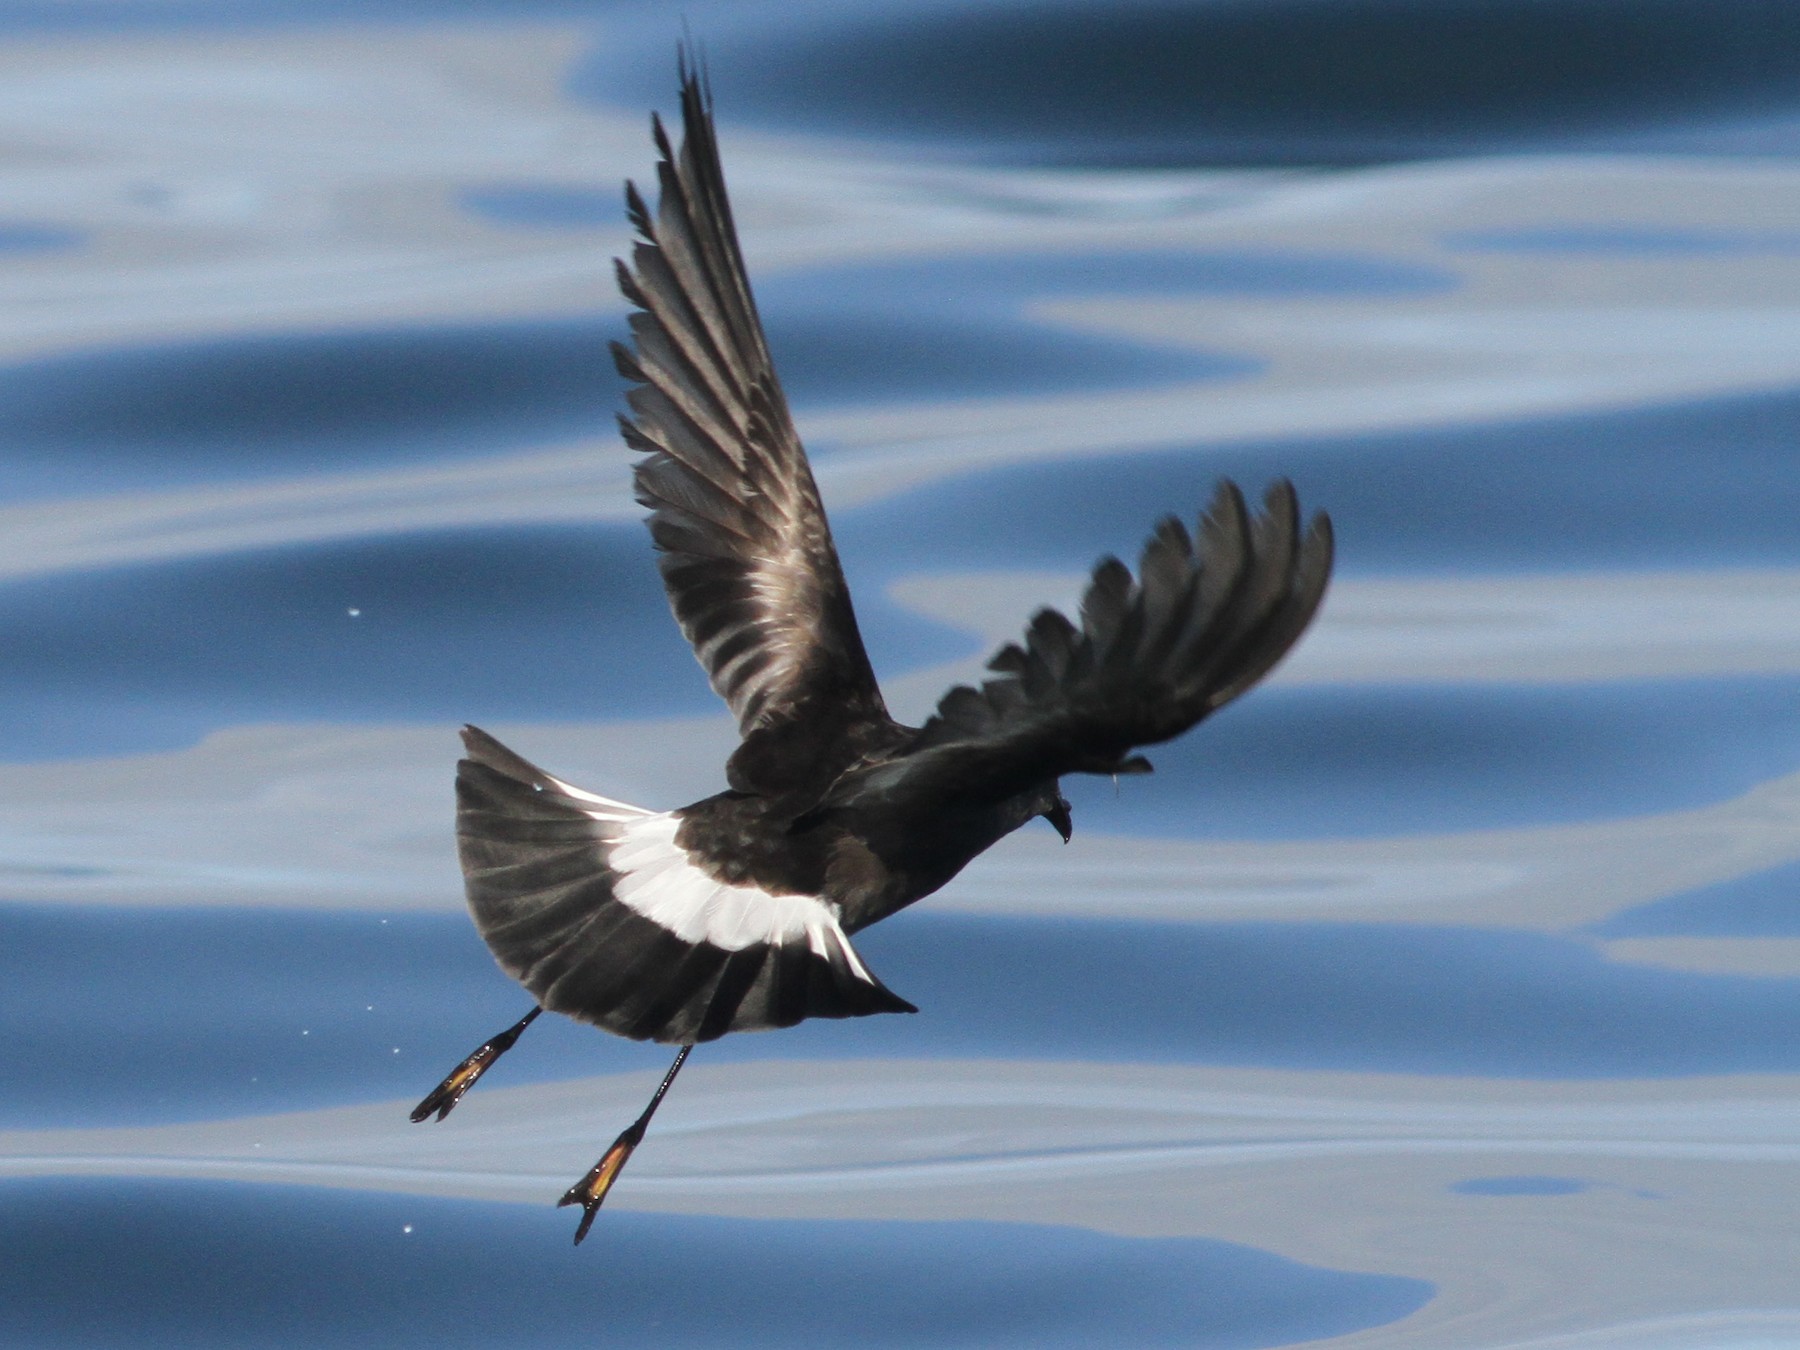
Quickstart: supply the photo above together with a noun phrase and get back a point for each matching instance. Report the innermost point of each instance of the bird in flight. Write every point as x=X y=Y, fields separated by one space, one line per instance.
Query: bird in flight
x=736 y=913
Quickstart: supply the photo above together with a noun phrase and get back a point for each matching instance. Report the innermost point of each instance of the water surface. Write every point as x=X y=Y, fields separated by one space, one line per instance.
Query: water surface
x=1249 y=82
x=289 y=1011
x=292 y=1267
x=156 y=1014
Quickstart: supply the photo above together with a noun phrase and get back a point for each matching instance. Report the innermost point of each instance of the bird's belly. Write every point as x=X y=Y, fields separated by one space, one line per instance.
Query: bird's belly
x=876 y=900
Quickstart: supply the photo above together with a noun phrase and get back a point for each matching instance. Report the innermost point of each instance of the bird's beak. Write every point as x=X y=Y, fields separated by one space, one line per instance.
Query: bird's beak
x=1058 y=816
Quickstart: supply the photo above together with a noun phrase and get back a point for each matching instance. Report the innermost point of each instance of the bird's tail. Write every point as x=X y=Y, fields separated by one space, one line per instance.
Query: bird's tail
x=594 y=907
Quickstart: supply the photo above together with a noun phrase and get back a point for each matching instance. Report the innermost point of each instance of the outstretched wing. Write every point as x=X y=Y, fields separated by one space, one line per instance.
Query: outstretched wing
x=596 y=909
x=1205 y=618
x=747 y=556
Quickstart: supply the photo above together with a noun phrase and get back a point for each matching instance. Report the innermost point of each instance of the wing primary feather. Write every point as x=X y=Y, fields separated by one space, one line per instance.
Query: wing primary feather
x=700 y=160
x=681 y=255
x=1204 y=618
x=1228 y=605
x=1311 y=573
x=1266 y=581
x=697 y=518
x=1104 y=605
x=635 y=210
x=626 y=364
x=682 y=441
x=673 y=313
x=671 y=369
x=747 y=556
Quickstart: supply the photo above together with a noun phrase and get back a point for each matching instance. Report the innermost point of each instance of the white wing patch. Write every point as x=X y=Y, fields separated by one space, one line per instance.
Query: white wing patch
x=658 y=881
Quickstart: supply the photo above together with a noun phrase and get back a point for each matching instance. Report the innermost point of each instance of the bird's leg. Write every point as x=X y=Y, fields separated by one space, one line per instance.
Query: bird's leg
x=591 y=1190
x=449 y=1092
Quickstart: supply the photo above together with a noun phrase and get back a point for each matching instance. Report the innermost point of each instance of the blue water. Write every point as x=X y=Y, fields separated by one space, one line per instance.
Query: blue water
x=1758 y=904
x=131 y=16
x=1400 y=759
x=122 y=1016
x=583 y=630
x=20 y=237
x=1152 y=82
x=544 y=206
x=841 y=356
x=952 y=328
x=113 y=419
x=288 y=1267
x=953 y=287
x=1521 y=1185
x=1698 y=484
x=448 y=626
x=1702 y=483
x=1242 y=82
x=282 y=1011
x=444 y=626
x=569 y=623
x=278 y=405
x=1627 y=241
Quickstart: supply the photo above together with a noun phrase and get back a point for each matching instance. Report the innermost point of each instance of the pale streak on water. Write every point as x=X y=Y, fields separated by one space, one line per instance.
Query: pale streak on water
x=261 y=184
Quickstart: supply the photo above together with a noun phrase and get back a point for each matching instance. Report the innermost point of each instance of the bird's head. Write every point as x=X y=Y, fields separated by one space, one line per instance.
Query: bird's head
x=1055 y=809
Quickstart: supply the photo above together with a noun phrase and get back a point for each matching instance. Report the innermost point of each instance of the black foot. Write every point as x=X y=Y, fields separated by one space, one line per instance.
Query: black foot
x=448 y=1093
x=590 y=1191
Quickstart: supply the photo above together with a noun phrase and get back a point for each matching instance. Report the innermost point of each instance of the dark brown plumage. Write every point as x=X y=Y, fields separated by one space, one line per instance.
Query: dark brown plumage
x=735 y=913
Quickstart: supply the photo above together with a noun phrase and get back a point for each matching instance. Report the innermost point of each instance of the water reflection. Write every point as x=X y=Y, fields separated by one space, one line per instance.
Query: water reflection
x=951 y=287
x=295 y=402
x=448 y=626
x=1405 y=759
x=954 y=328
x=1761 y=904
x=1459 y=290
x=289 y=1267
x=544 y=206
x=19 y=237
x=288 y=404
x=279 y=1011
x=1237 y=83
x=1708 y=484
x=542 y=623
x=1521 y=1185
x=832 y=356
x=570 y=623
x=1626 y=241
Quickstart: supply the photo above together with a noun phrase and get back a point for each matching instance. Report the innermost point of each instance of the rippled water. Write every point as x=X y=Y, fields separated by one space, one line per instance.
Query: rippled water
x=288 y=1267
x=1259 y=82
x=1443 y=992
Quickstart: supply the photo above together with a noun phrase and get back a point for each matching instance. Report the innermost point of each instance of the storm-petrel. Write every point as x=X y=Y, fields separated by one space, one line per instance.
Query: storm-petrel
x=735 y=913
